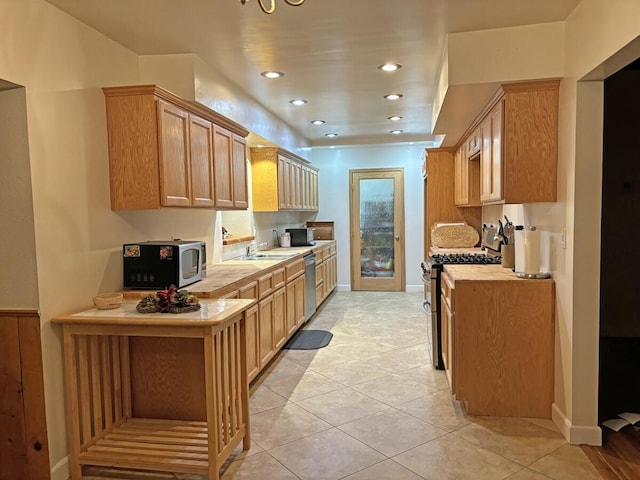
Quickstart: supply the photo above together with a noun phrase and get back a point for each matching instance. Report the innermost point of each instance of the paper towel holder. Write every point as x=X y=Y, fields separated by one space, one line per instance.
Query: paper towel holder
x=529 y=275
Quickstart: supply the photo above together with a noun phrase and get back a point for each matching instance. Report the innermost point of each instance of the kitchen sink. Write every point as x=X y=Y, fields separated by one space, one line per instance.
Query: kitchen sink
x=262 y=256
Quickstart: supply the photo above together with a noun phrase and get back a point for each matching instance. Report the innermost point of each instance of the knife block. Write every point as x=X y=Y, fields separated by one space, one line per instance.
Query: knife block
x=508 y=256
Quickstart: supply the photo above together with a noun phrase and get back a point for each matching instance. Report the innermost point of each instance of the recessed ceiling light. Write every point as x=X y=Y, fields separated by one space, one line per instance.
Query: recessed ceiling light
x=317 y=122
x=272 y=74
x=389 y=67
x=395 y=118
x=298 y=101
x=330 y=135
x=393 y=96
x=396 y=132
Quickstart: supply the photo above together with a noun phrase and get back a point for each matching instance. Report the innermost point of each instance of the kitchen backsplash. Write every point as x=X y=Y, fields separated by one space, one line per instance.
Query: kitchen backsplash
x=259 y=224
x=267 y=222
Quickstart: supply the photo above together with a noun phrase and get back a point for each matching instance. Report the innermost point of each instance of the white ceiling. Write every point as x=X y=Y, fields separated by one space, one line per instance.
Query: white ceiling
x=328 y=50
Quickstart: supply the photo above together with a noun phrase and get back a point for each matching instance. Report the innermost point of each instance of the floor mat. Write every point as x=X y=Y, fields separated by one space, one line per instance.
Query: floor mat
x=309 y=340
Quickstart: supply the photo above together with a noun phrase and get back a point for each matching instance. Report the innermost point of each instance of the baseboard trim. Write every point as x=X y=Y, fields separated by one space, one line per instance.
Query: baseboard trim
x=576 y=434
x=60 y=470
x=414 y=288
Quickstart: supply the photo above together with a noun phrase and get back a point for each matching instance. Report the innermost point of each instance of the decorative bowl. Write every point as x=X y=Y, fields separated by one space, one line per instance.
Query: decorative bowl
x=108 y=301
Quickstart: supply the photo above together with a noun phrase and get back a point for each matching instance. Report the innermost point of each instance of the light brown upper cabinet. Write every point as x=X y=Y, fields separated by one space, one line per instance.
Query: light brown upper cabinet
x=473 y=143
x=229 y=158
x=282 y=181
x=491 y=157
x=467 y=173
x=165 y=151
x=517 y=155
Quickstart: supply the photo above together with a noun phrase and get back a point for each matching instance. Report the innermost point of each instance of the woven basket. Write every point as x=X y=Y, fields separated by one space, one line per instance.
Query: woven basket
x=454 y=236
x=108 y=301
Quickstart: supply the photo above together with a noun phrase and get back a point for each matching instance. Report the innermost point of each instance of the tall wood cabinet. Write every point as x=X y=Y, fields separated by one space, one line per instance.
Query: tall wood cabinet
x=439 y=194
x=282 y=181
x=165 y=151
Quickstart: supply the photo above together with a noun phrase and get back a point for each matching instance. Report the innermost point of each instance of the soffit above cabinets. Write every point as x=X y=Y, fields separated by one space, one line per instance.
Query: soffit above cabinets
x=329 y=51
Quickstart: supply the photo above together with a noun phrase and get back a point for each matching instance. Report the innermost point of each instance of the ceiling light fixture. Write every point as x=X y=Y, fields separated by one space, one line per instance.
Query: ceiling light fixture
x=396 y=132
x=318 y=122
x=272 y=74
x=298 y=101
x=395 y=118
x=272 y=4
x=330 y=135
x=389 y=67
x=393 y=96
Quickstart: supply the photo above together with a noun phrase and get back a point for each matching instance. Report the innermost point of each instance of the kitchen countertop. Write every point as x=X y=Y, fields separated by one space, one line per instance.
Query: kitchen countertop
x=462 y=273
x=212 y=312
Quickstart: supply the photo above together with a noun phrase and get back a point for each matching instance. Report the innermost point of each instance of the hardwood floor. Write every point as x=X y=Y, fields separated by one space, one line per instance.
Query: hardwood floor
x=619 y=456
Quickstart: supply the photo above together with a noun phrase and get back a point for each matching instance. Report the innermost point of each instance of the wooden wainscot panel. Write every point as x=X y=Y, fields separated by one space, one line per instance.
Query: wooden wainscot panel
x=24 y=448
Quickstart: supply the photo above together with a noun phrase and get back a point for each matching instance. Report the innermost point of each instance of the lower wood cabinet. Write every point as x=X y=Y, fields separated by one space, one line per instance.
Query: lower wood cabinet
x=279 y=319
x=295 y=304
x=326 y=272
x=265 y=323
x=498 y=341
x=447 y=329
x=280 y=308
x=252 y=327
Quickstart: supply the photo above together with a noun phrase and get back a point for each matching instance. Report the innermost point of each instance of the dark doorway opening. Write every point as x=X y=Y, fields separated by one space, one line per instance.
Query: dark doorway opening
x=619 y=390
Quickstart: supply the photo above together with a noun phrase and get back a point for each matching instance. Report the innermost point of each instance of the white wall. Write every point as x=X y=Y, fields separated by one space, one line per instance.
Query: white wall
x=334 y=165
x=18 y=274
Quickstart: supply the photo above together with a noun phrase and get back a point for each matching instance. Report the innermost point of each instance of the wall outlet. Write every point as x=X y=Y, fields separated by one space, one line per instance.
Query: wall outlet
x=563 y=239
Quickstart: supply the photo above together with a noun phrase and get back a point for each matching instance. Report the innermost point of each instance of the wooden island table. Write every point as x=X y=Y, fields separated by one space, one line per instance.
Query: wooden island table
x=103 y=428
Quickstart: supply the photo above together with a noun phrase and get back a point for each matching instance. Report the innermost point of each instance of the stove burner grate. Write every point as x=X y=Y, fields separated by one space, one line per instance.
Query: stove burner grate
x=464 y=258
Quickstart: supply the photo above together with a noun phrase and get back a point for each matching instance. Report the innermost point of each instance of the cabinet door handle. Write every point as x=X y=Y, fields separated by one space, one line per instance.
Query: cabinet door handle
x=397 y=237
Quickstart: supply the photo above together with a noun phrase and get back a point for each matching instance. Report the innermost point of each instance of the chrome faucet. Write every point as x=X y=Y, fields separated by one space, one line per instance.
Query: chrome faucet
x=250 y=247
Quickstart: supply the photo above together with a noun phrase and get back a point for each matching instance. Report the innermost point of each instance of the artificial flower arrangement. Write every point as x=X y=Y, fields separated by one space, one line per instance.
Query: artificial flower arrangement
x=170 y=300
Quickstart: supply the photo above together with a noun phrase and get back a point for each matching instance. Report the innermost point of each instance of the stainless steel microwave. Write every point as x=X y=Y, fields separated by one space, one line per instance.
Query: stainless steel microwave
x=159 y=264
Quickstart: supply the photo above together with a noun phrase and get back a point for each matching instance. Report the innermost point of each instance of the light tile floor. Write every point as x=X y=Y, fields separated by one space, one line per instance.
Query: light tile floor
x=371 y=407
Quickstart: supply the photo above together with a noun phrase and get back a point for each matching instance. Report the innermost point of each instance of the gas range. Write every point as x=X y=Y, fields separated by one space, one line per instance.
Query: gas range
x=463 y=258
x=437 y=261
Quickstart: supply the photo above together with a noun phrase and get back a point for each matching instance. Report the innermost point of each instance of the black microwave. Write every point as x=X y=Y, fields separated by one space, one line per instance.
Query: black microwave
x=159 y=264
x=301 y=237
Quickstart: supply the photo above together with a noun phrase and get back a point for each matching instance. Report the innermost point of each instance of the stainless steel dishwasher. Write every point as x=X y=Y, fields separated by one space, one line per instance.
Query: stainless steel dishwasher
x=309 y=285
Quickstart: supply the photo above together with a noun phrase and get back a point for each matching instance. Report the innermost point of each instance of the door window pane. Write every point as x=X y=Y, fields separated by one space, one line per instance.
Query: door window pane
x=376 y=227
